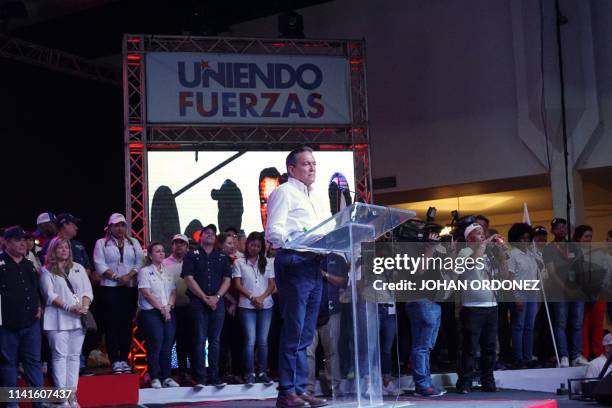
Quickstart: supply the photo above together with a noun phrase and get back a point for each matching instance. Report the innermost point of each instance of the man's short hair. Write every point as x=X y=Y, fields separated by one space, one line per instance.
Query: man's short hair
x=292 y=156
x=556 y=221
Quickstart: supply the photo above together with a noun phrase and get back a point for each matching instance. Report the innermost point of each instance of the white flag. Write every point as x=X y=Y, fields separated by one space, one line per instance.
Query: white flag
x=526 y=218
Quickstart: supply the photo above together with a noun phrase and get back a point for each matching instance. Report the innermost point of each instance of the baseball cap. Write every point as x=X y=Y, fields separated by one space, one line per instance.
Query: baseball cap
x=180 y=237
x=65 y=218
x=471 y=228
x=210 y=226
x=607 y=340
x=116 y=218
x=539 y=230
x=15 y=232
x=557 y=220
x=45 y=217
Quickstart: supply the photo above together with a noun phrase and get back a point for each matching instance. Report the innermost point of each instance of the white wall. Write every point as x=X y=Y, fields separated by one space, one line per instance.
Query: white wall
x=454 y=86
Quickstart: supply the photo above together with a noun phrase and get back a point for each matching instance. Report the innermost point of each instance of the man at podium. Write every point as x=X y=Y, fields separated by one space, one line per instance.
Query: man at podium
x=292 y=211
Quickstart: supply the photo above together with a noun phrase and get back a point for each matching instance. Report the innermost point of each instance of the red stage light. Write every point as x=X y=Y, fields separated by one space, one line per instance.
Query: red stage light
x=133 y=57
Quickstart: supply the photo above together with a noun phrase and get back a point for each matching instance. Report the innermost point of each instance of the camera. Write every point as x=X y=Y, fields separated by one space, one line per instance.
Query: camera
x=417 y=230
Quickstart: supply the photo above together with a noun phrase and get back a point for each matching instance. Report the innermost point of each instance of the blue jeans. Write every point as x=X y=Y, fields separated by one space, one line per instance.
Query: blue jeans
x=256 y=325
x=388 y=330
x=425 y=319
x=207 y=324
x=572 y=313
x=159 y=337
x=522 y=331
x=298 y=280
x=20 y=345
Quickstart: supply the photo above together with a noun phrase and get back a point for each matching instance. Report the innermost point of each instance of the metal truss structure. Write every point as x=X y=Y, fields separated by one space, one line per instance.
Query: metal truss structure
x=56 y=60
x=142 y=136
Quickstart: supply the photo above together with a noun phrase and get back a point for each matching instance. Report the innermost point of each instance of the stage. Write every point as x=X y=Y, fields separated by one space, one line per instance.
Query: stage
x=476 y=399
x=518 y=388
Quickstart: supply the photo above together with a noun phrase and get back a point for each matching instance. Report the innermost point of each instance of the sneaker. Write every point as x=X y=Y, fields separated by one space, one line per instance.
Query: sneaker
x=441 y=389
x=564 y=362
x=156 y=384
x=169 y=382
x=74 y=403
x=125 y=367
x=428 y=392
x=117 y=367
x=263 y=378
x=198 y=386
x=390 y=389
x=580 y=361
x=250 y=379
x=218 y=383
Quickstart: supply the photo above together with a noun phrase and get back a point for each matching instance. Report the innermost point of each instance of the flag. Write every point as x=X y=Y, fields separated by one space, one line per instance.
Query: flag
x=526 y=218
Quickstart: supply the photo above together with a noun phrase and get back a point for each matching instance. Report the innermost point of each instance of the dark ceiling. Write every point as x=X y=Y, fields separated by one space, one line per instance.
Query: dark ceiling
x=94 y=28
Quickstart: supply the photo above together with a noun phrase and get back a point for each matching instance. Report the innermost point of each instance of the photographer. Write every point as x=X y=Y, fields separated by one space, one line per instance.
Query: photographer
x=479 y=309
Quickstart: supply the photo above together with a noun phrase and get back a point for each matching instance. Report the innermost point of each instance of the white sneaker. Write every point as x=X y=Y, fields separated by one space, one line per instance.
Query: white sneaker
x=580 y=361
x=156 y=384
x=169 y=382
x=390 y=389
x=117 y=367
x=74 y=403
x=564 y=362
x=125 y=367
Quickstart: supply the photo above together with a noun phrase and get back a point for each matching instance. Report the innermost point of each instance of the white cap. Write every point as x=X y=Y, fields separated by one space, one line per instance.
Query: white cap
x=116 y=218
x=607 y=340
x=471 y=228
x=180 y=237
x=44 y=217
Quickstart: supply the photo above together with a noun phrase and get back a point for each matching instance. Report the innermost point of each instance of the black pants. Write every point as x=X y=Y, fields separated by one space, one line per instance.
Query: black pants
x=184 y=337
x=119 y=307
x=479 y=329
x=232 y=347
x=504 y=331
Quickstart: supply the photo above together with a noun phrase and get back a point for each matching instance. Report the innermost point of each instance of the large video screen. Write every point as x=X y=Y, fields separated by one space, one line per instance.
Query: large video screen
x=230 y=189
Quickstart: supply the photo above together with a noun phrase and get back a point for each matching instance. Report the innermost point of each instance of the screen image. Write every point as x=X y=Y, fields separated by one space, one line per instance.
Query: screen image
x=230 y=189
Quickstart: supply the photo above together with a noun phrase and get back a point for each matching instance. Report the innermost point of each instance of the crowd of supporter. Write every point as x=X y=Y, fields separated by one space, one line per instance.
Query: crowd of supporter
x=213 y=296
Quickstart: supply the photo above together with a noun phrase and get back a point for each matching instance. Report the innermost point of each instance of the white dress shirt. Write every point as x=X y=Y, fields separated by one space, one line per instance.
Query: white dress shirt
x=291 y=211
x=174 y=267
x=107 y=256
x=53 y=286
x=253 y=281
x=161 y=284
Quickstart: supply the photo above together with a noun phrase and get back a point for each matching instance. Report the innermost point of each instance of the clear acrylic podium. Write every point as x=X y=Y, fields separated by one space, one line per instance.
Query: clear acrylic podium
x=343 y=234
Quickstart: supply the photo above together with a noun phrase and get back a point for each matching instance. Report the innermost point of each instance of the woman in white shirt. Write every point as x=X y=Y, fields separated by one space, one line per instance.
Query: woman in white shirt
x=253 y=278
x=118 y=258
x=67 y=293
x=157 y=293
x=523 y=266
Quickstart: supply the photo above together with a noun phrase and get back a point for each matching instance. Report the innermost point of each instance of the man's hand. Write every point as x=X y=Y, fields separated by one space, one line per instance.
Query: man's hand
x=39 y=312
x=124 y=280
x=211 y=301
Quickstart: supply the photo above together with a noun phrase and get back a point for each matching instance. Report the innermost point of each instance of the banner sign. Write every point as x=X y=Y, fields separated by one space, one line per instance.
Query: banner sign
x=247 y=89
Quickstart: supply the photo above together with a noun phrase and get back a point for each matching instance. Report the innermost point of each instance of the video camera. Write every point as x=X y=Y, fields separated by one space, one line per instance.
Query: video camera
x=419 y=231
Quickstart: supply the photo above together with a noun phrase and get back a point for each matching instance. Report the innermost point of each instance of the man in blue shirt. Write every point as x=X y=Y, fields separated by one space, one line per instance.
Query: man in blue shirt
x=207 y=273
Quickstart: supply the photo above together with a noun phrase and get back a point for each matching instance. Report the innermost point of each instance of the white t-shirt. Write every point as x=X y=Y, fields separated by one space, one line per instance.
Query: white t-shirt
x=595 y=367
x=253 y=281
x=161 y=284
